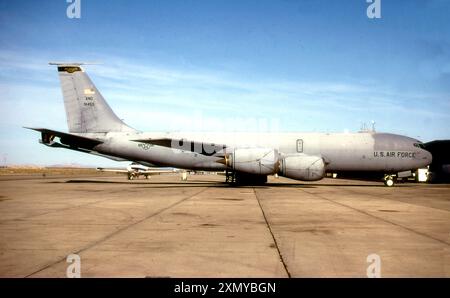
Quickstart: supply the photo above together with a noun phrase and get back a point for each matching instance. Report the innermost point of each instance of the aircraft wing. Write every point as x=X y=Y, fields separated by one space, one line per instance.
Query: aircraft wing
x=207 y=149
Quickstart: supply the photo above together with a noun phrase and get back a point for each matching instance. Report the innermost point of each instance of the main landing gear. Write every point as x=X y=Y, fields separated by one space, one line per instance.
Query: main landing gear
x=230 y=176
x=238 y=178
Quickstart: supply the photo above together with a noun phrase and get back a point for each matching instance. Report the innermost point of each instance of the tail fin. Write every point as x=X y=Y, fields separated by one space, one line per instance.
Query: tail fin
x=86 y=109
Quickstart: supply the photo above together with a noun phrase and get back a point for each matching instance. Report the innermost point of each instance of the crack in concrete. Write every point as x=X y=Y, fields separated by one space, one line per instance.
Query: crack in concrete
x=273 y=236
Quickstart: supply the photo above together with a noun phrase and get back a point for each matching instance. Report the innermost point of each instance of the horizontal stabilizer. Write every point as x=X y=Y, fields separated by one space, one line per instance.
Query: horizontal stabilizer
x=68 y=139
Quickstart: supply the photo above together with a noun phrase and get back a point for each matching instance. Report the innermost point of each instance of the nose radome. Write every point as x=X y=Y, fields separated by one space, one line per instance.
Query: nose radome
x=425 y=158
x=429 y=156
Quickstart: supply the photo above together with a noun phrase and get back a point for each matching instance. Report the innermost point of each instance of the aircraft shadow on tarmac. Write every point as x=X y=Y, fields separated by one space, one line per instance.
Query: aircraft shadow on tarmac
x=206 y=183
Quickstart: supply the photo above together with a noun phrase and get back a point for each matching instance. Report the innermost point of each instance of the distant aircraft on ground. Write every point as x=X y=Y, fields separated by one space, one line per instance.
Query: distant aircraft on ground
x=134 y=170
x=247 y=158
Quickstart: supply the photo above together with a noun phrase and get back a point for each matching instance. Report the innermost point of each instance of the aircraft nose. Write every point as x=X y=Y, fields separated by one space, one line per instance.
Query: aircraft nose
x=425 y=158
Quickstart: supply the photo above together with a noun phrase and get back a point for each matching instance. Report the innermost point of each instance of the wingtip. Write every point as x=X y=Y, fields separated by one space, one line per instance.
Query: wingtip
x=32 y=128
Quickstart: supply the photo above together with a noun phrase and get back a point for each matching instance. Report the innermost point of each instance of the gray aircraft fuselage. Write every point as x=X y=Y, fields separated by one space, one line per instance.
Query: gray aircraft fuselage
x=364 y=151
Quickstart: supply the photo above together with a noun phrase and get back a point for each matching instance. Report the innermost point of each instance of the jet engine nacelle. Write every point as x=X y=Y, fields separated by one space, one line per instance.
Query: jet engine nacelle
x=257 y=161
x=303 y=167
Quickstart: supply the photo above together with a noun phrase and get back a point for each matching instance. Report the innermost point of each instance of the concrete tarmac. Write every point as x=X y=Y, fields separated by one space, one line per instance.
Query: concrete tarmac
x=165 y=227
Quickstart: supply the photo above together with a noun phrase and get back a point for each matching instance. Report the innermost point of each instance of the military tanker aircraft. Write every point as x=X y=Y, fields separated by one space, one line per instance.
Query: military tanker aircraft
x=247 y=158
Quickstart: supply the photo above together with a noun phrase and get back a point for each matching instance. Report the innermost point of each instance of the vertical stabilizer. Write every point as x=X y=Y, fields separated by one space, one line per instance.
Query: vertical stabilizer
x=86 y=109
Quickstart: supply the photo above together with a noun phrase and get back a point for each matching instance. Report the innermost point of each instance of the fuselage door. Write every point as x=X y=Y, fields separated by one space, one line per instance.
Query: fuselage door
x=300 y=146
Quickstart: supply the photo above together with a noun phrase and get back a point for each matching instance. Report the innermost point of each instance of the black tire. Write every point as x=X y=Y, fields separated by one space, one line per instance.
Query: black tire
x=389 y=182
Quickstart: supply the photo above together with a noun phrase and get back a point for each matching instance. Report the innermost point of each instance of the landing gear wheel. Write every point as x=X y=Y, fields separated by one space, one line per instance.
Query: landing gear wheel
x=389 y=182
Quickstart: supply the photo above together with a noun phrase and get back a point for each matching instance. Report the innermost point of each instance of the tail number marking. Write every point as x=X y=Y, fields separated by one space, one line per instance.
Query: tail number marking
x=89 y=101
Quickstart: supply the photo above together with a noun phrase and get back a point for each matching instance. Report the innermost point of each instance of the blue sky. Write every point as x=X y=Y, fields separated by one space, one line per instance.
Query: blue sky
x=170 y=65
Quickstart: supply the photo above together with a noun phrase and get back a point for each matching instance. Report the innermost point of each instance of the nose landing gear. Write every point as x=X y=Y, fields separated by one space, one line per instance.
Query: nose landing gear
x=389 y=180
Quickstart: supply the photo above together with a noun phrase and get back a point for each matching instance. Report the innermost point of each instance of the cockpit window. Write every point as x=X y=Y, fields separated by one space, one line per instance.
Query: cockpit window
x=418 y=145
